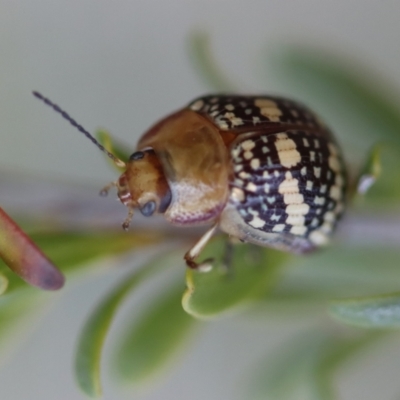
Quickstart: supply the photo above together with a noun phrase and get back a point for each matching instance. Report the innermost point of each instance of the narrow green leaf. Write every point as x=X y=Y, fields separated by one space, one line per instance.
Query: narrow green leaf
x=371 y=170
x=252 y=273
x=307 y=365
x=202 y=59
x=22 y=256
x=280 y=375
x=72 y=249
x=92 y=338
x=3 y=284
x=18 y=313
x=155 y=338
x=369 y=312
x=336 y=353
x=385 y=191
x=111 y=145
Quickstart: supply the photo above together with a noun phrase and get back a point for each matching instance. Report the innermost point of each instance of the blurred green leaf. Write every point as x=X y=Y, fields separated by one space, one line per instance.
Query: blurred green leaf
x=280 y=375
x=385 y=192
x=340 y=270
x=371 y=170
x=332 y=358
x=204 y=63
x=72 y=250
x=353 y=97
x=92 y=338
x=253 y=272
x=369 y=312
x=307 y=364
x=3 y=283
x=111 y=145
x=155 y=338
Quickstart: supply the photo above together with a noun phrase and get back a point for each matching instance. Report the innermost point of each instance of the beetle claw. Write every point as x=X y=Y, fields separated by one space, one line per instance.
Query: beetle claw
x=205 y=266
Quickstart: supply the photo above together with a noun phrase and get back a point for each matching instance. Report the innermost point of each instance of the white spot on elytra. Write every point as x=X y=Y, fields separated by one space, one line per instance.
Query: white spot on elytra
x=238 y=194
x=334 y=163
x=265 y=149
x=309 y=185
x=275 y=217
x=303 y=171
x=297 y=209
x=222 y=124
x=287 y=151
x=251 y=187
x=315 y=222
x=248 y=155
x=197 y=105
x=318 y=238
x=306 y=143
x=329 y=216
x=293 y=198
x=289 y=185
x=255 y=163
x=257 y=222
x=248 y=144
x=269 y=109
x=233 y=119
x=319 y=200
x=295 y=220
x=278 y=228
x=335 y=192
x=317 y=172
x=298 y=230
x=229 y=107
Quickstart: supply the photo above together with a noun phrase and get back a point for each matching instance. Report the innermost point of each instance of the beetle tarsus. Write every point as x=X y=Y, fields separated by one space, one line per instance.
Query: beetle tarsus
x=195 y=251
x=204 y=266
x=127 y=222
x=104 y=192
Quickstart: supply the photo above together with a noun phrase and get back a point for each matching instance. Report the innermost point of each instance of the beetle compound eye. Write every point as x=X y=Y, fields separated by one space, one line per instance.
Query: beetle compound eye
x=137 y=155
x=148 y=209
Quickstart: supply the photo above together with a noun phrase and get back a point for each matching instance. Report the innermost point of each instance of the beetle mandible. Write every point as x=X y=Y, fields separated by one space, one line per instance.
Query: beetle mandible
x=263 y=169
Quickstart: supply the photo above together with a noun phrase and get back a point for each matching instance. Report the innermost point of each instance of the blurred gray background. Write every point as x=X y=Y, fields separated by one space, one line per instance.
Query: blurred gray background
x=122 y=65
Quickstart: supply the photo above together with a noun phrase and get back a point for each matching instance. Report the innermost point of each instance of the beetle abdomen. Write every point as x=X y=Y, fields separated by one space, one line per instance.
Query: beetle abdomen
x=290 y=184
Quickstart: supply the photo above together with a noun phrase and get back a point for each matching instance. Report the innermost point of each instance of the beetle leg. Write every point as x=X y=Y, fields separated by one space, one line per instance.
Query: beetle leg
x=106 y=189
x=128 y=219
x=194 y=252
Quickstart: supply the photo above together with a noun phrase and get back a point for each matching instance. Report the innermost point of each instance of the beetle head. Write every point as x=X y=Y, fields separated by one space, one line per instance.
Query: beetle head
x=143 y=185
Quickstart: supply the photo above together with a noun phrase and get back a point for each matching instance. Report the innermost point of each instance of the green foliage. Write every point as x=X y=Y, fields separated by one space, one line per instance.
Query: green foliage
x=351 y=280
x=252 y=274
x=154 y=339
x=90 y=346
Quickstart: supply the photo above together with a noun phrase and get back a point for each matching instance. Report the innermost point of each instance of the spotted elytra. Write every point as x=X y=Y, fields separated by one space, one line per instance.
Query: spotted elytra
x=263 y=169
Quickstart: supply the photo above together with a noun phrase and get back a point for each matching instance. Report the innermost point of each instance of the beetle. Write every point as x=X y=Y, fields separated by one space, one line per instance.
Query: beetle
x=263 y=169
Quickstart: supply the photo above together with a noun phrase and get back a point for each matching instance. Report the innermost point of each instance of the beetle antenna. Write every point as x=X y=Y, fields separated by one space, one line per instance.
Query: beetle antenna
x=65 y=115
